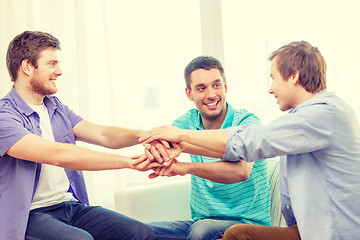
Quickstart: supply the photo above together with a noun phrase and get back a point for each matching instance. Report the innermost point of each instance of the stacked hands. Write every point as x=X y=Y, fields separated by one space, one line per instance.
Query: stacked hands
x=162 y=146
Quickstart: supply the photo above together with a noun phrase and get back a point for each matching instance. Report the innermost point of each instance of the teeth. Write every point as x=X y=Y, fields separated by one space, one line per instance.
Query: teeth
x=211 y=104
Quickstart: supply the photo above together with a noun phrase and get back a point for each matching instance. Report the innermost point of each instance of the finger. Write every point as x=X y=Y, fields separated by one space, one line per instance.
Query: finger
x=168 y=171
x=140 y=159
x=168 y=163
x=151 y=139
x=157 y=170
x=147 y=138
x=136 y=156
x=165 y=143
x=161 y=149
x=144 y=164
x=153 y=175
x=162 y=171
x=149 y=155
x=156 y=154
x=147 y=146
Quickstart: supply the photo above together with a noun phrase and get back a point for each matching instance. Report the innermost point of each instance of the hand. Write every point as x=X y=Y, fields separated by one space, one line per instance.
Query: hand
x=143 y=163
x=167 y=133
x=156 y=150
x=176 y=168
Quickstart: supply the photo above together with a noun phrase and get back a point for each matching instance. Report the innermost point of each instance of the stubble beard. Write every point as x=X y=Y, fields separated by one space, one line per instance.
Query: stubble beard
x=39 y=88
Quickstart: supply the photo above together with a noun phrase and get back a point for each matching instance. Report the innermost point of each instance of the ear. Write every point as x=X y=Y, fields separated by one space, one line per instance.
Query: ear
x=188 y=94
x=225 y=86
x=295 y=78
x=26 y=67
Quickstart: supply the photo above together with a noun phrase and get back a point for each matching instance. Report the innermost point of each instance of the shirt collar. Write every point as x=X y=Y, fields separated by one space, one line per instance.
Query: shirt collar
x=25 y=108
x=316 y=99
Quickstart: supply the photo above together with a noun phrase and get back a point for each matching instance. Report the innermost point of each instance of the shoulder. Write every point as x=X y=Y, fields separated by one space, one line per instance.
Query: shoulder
x=243 y=116
x=190 y=118
x=8 y=108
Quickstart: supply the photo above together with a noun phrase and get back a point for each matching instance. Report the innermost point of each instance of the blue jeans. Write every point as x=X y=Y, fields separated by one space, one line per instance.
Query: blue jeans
x=76 y=221
x=206 y=229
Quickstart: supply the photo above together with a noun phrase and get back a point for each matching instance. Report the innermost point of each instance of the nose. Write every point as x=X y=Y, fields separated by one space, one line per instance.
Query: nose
x=271 y=91
x=211 y=92
x=58 y=71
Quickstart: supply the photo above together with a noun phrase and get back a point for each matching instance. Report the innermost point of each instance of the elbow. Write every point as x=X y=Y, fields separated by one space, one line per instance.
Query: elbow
x=239 y=177
x=61 y=156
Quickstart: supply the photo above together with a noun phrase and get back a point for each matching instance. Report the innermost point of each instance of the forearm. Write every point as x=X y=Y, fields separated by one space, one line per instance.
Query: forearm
x=116 y=137
x=36 y=149
x=213 y=140
x=222 y=172
x=106 y=136
x=78 y=158
x=196 y=150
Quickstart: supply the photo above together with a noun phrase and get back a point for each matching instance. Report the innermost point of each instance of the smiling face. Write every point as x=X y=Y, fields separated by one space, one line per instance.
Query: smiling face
x=284 y=90
x=44 y=76
x=208 y=92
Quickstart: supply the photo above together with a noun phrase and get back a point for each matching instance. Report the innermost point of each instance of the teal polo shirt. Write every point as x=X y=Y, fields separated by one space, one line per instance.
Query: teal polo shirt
x=243 y=202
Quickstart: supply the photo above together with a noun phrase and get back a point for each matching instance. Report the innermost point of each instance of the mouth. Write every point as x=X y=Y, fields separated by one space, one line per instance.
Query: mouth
x=53 y=81
x=212 y=105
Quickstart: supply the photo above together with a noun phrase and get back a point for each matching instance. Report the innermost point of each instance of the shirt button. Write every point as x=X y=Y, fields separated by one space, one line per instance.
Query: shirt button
x=288 y=207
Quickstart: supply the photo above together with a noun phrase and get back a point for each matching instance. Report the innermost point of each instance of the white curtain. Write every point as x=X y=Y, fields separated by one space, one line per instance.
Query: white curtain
x=122 y=64
x=253 y=29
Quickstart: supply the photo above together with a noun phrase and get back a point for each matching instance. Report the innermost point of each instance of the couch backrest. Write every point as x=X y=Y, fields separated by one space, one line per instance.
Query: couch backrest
x=277 y=218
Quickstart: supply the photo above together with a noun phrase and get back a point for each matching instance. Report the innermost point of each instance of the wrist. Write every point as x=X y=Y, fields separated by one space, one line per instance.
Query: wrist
x=139 y=133
x=183 y=136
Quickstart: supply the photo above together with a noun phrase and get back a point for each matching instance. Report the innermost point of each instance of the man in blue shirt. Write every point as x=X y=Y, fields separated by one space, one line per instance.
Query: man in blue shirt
x=222 y=194
x=42 y=191
x=319 y=145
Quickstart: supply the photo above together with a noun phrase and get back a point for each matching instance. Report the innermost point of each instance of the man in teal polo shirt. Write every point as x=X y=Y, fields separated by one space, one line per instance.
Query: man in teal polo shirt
x=222 y=193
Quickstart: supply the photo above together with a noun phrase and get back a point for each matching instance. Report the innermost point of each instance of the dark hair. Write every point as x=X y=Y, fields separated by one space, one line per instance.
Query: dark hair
x=28 y=45
x=303 y=57
x=202 y=62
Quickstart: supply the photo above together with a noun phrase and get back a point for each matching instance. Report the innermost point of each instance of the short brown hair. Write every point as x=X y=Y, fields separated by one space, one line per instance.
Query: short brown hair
x=303 y=57
x=28 y=45
x=202 y=62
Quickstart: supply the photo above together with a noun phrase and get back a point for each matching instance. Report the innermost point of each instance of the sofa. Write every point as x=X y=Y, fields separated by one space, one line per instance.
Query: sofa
x=169 y=201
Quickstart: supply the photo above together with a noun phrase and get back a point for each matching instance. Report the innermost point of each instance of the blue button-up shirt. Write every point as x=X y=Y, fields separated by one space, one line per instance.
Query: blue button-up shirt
x=19 y=178
x=319 y=145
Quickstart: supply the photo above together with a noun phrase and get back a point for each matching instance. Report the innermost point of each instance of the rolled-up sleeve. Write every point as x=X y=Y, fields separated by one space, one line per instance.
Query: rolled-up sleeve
x=11 y=131
x=233 y=144
x=293 y=133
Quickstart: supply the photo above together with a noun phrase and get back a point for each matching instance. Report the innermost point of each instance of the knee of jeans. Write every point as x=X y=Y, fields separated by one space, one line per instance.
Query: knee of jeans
x=203 y=229
x=140 y=231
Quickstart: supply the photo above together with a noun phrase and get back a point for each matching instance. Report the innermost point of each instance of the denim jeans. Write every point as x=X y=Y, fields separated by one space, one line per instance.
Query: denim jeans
x=76 y=221
x=206 y=229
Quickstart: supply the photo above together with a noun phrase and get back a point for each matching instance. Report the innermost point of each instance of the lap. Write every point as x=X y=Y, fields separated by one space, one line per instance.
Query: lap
x=46 y=226
x=98 y=222
x=208 y=229
x=171 y=229
x=258 y=232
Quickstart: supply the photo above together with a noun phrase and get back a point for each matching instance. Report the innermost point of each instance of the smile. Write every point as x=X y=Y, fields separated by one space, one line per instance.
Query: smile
x=212 y=104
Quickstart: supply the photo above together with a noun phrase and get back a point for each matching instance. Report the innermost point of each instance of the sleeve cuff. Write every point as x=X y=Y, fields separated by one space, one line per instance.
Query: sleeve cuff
x=232 y=144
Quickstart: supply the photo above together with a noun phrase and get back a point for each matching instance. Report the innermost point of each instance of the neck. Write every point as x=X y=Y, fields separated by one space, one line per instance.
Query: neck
x=216 y=122
x=304 y=96
x=28 y=95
